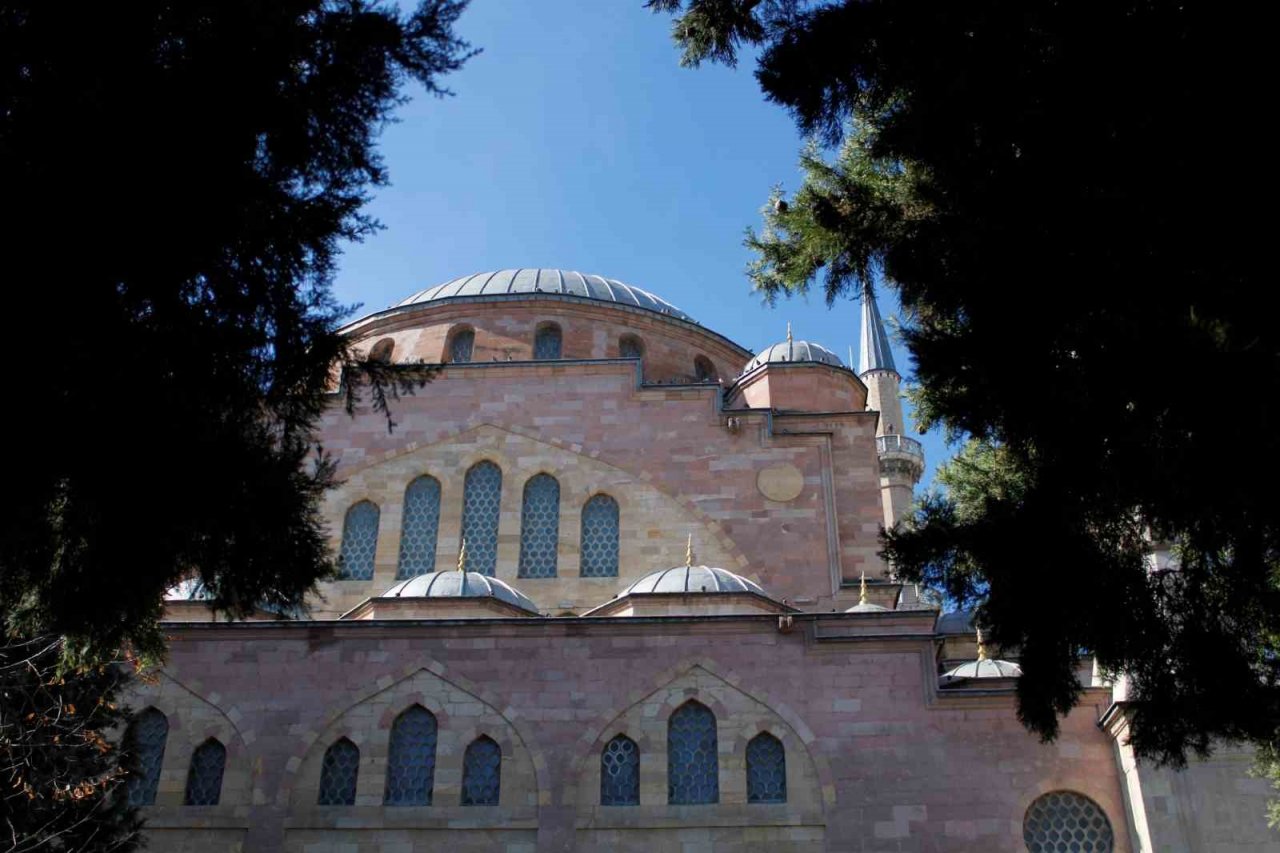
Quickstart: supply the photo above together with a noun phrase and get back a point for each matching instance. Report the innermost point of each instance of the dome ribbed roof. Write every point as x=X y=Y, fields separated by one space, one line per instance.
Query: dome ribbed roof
x=694 y=579
x=983 y=668
x=523 y=282
x=191 y=589
x=456 y=584
x=794 y=351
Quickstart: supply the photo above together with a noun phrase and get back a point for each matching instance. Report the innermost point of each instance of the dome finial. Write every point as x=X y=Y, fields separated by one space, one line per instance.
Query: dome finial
x=462 y=556
x=862 y=589
x=982 y=647
x=788 y=331
x=688 y=553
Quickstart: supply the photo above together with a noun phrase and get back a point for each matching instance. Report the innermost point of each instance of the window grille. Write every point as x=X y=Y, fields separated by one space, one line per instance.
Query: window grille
x=481 y=773
x=419 y=528
x=693 y=769
x=204 y=778
x=1066 y=822
x=766 y=770
x=547 y=341
x=481 y=499
x=461 y=345
x=338 y=774
x=620 y=773
x=359 y=542
x=600 y=538
x=411 y=759
x=539 y=527
x=146 y=738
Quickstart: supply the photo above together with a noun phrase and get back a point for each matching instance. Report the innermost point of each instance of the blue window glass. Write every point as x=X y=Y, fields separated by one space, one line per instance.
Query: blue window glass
x=766 y=770
x=546 y=343
x=204 y=778
x=620 y=773
x=1066 y=822
x=411 y=759
x=600 y=538
x=693 y=767
x=419 y=528
x=481 y=772
x=461 y=345
x=146 y=739
x=539 y=527
x=359 y=542
x=338 y=774
x=481 y=504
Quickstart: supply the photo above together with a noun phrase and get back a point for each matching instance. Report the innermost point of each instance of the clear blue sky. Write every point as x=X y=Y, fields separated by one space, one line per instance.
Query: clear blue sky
x=575 y=140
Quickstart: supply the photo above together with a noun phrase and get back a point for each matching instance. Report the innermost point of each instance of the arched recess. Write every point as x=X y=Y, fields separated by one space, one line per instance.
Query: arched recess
x=461 y=717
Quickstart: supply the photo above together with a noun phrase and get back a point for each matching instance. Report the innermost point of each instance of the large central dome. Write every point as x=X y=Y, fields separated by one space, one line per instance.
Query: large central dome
x=554 y=282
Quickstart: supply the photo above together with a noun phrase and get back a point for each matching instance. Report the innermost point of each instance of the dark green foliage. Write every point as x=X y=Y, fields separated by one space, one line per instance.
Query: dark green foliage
x=1064 y=196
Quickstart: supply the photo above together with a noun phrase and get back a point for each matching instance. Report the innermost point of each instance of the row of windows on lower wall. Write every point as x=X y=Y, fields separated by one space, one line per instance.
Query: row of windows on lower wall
x=481 y=502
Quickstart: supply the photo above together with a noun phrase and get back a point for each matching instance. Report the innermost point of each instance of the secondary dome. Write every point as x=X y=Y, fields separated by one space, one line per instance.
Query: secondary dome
x=693 y=579
x=456 y=584
x=793 y=351
x=522 y=282
x=982 y=668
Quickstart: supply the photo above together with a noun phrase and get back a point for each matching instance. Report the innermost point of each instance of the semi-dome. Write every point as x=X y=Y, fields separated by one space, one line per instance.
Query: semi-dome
x=521 y=283
x=792 y=351
x=693 y=579
x=456 y=584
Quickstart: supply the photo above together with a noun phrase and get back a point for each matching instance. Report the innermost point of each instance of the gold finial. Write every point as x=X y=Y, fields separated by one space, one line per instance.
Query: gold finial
x=462 y=557
x=788 y=331
x=862 y=589
x=688 y=553
x=982 y=647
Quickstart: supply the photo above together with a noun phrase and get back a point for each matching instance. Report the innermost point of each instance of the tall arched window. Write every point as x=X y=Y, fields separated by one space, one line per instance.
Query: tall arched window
x=411 y=759
x=338 y=774
x=629 y=346
x=481 y=772
x=600 y=538
x=1066 y=821
x=481 y=505
x=359 y=542
x=539 y=527
x=419 y=527
x=546 y=341
x=704 y=370
x=382 y=350
x=146 y=739
x=204 y=778
x=620 y=773
x=693 y=766
x=461 y=343
x=766 y=770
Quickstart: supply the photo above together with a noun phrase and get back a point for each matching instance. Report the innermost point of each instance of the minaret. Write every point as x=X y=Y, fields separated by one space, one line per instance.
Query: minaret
x=901 y=457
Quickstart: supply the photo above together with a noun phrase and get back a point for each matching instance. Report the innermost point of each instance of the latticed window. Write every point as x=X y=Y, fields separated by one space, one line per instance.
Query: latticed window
x=539 y=527
x=629 y=346
x=766 y=770
x=146 y=739
x=693 y=767
x=1066 y=822
x=411 y=759
x=338 y=774
x=546 y=343
x=204 y=779
x=620 y=773
x=600 y=538
x=419 y=528
x=704 y=370
x=460 y=346
x=481 y=772
x=481 y=500
x=359 y=542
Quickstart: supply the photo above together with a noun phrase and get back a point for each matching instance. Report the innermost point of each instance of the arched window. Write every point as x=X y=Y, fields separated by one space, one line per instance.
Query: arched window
x=704 y=370
x=359 y=542
x=411 y=759
x=338 y=774
x=539 y=527
x=481 y=499
x=381 y=351
x=546 y=341
x=766 y=770
x=600 y=538
x=693 y=768
x=461 y=343
x=146 y=738
x=620 y=773
x=629 y=346
x=204 y=778
x=1066 y=822
x=481 y=772
x=419 y=527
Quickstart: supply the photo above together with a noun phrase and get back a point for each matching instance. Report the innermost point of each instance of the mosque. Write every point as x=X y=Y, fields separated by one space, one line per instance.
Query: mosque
x=612 y=583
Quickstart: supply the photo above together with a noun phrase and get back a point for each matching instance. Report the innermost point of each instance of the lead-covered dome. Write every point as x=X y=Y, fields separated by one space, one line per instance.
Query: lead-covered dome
x=791 y=351
x=456 y=584
x=526 y=282
x=693 y=579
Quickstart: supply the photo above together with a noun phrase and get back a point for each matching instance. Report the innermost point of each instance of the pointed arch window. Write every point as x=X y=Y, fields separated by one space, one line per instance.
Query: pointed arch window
x=382 y=350
x=599 y=545
x=539 y=527
x=766 y=770
x=204 y=778
x=419 y=528
x=338 y=774
x=359 y=542
x=547 y=341
x=1065 y=820
x=411 y=759
x=704 y=370
x=481 y=507
x=630 y=346
x=482 y=772
x=620 y=773
x=146 y=739
x=461 y=344
x=693 y=765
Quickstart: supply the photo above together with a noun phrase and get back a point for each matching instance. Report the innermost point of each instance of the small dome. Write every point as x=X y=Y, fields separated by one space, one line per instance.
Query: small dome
x=867 y=607
x=694 y=579
x=456 y=584
x=982 y=668
x=794 y=351
x=191 y=589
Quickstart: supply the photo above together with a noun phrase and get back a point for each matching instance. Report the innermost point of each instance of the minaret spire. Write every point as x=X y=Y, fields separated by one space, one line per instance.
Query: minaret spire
x=874 y=352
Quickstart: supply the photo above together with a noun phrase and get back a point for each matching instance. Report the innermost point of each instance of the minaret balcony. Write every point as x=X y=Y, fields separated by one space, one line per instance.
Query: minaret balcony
x=898 y=453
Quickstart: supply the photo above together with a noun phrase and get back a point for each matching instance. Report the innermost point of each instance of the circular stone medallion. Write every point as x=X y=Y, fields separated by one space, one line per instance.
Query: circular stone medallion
x=780 y=483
